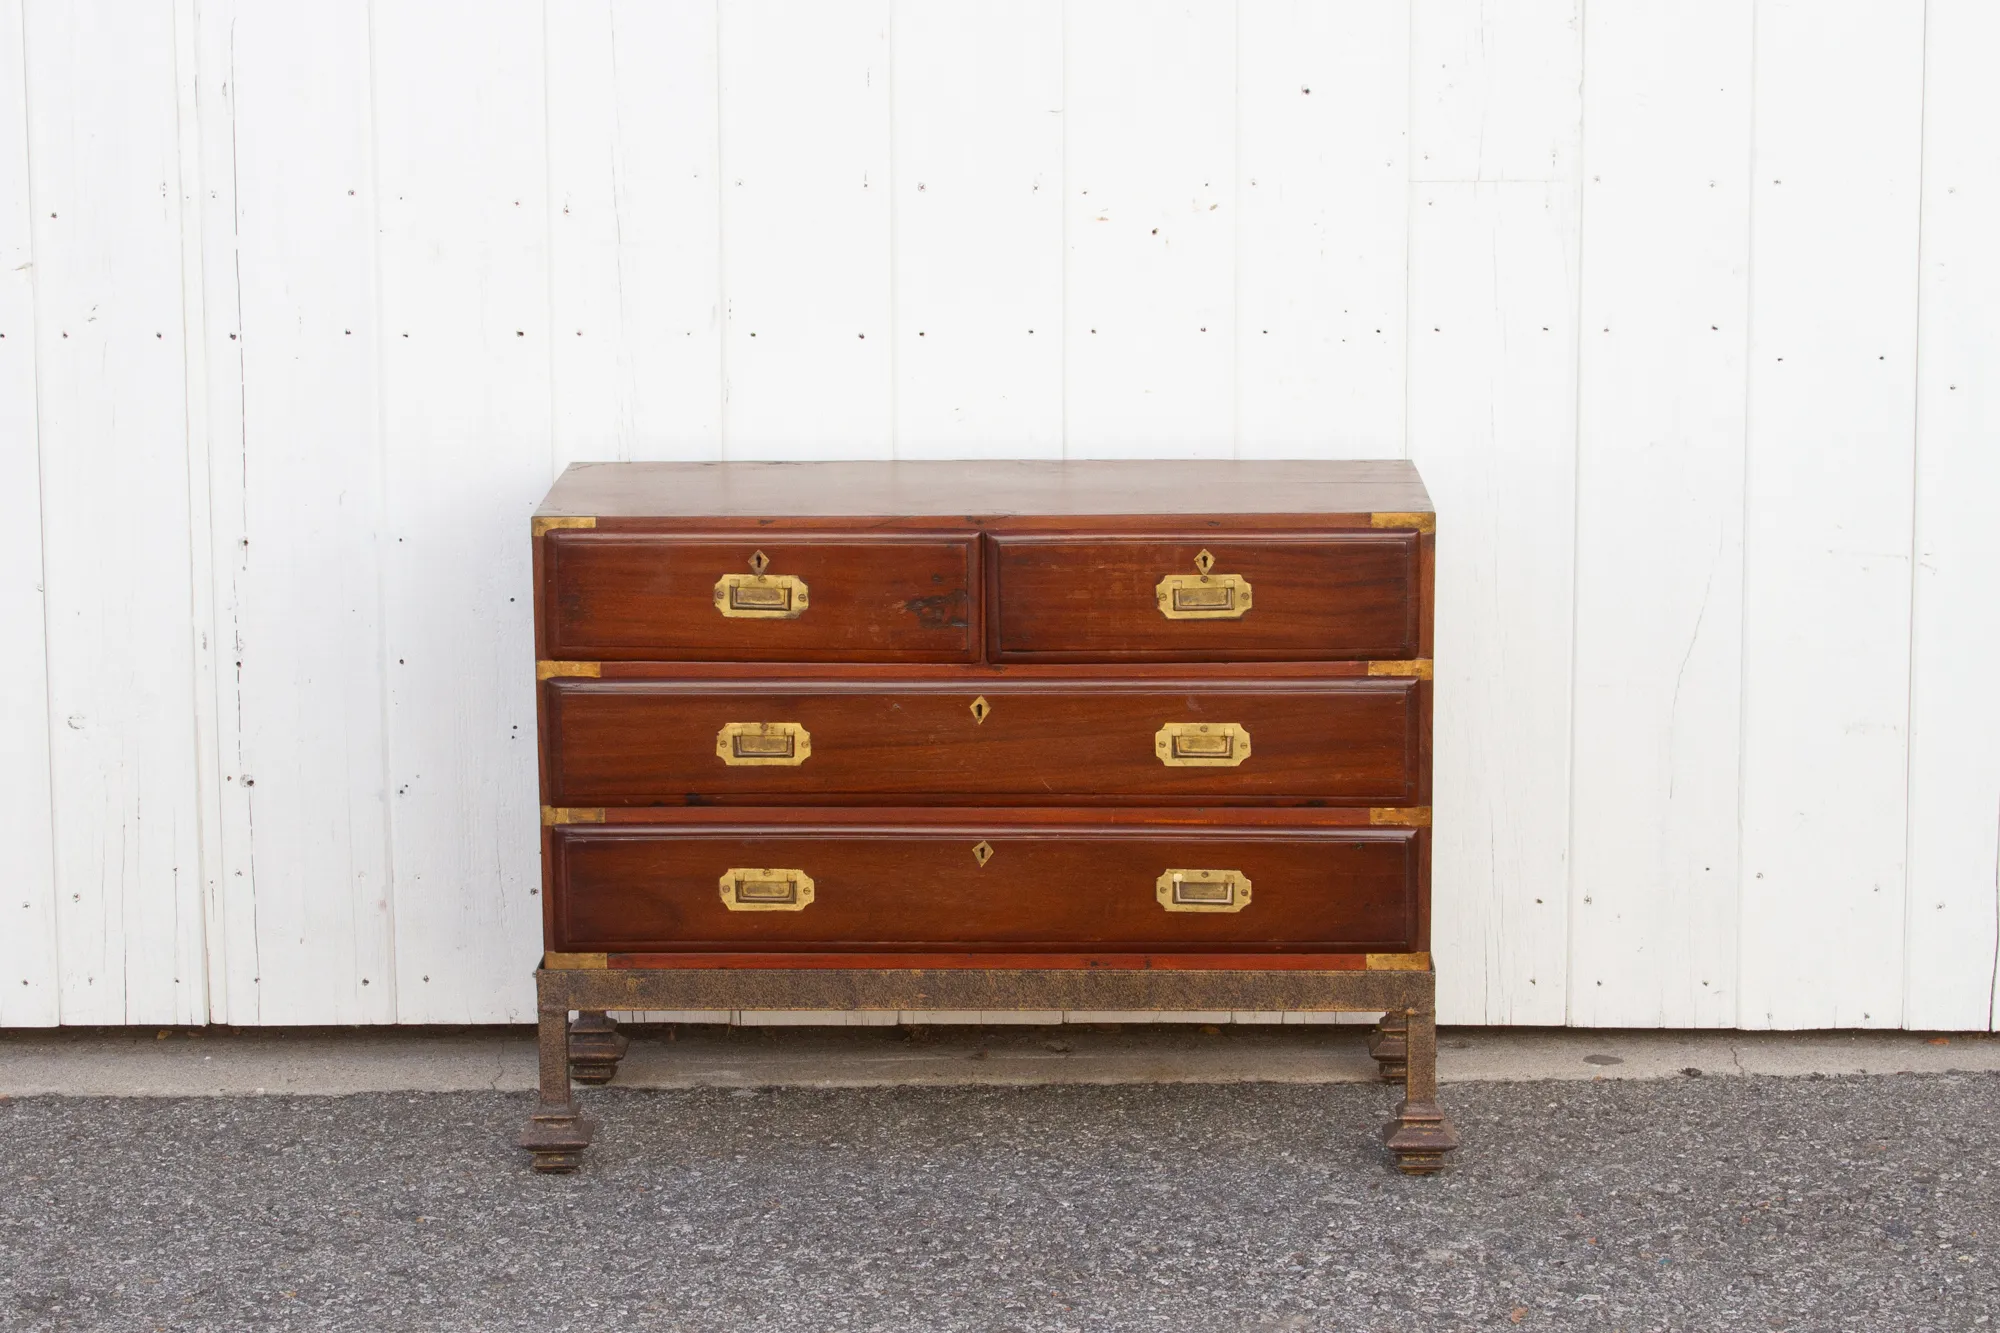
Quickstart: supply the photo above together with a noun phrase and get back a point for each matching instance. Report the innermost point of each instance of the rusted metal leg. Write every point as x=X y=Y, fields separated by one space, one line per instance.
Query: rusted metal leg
x=1420 y=1135
x=558 y=1131
x=595 y=1047
x=1389 y=1044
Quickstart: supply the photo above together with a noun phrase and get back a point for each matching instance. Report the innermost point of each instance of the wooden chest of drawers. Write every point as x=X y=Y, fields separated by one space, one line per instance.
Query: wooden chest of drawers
x=1103 y=735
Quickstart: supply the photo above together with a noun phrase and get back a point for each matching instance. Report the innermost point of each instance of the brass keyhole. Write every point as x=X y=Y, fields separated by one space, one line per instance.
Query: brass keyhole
x=980 y=708
x=1202 y=563
x=759 y=562
x=983 y=852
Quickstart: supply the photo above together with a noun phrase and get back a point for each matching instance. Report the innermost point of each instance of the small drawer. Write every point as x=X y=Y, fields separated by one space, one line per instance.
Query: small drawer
x=1208 y=597
x=758 y=597
x=1112 y=737
x=973 y=885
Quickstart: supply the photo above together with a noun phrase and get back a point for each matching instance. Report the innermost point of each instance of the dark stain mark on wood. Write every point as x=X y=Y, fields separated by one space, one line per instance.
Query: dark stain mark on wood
x=944 y=611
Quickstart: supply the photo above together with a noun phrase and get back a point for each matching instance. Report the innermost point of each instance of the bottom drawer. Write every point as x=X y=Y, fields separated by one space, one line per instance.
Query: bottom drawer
x=1011 y=885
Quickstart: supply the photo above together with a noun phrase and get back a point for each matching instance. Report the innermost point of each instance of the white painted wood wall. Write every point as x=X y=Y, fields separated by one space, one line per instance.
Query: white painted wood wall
x=1686 y=310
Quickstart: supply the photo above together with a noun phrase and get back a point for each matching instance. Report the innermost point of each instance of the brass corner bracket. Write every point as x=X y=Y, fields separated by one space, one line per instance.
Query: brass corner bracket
x=1399 y=962
x=542 y=525
x=550 y=670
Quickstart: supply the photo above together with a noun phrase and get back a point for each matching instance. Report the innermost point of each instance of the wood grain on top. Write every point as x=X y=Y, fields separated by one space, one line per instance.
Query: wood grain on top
x=926 y=489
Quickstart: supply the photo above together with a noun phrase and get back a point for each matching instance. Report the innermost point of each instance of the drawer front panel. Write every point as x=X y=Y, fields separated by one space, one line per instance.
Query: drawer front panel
x=610 y=596
x=1343 y=742
x=660 y=888
x=1206 y=597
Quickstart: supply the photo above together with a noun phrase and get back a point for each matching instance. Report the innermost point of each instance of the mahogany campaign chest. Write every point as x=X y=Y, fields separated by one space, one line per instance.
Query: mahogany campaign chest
x=985 y=735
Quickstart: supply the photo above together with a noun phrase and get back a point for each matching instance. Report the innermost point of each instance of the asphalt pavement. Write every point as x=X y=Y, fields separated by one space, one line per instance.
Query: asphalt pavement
x=1693 y=1202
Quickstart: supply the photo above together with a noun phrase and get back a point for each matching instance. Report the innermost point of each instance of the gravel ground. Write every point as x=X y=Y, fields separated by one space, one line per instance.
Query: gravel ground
x=1702 y=1203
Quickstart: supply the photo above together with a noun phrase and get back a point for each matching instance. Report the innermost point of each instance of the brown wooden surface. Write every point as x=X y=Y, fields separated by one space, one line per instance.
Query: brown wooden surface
x=983 y=488
x=872 y=597
x=1004 y=816
x=1140 y=962
x=885 y=987
x=642 y=889
x=1315 y=596
x=1083 y=738
x=976 y=675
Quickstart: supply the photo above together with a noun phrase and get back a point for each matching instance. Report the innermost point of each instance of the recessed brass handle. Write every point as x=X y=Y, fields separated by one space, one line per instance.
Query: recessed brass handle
x=1203 y=890
x=757 y=890
x=751 y=743
x=761 y=596
x=1203 y=595
x=1201 y=744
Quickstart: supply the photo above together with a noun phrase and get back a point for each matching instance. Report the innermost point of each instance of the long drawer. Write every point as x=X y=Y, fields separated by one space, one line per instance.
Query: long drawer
x=985 y=738
x=760 y=596
x=983 y=883
x=1216 y=596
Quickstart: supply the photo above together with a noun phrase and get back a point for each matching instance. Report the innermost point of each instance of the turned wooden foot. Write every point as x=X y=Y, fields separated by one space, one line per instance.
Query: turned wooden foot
x=595 y=1048
x=1389 y=1044
x=557 y=1136
x=1420 y=1136
x=558 y=1131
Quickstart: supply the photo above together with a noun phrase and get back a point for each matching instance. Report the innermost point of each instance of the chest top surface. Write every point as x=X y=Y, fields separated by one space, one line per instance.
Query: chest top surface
x=1304 y=488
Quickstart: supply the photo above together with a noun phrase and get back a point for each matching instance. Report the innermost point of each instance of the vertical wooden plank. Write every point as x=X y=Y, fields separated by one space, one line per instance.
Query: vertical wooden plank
x=1495 y=89
x=102 y=106
x=1150 y=211
x=1492 y=421
x=205 y=36
x=1827 y=523
x=978 y=225
x=590 y=359
x=463 y=266
x=1659 y=563
x=806 y=190
x=1955 y=711
x=634 y=230
x=302 y=586
x=1323 y=180
x=28 y=991
x=211 y=372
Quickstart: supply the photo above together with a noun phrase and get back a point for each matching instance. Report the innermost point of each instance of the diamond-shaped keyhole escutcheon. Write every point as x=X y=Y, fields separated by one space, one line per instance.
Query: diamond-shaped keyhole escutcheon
x=759 y=562
x=1203 y=563
x=980 y=708
x=983 y=852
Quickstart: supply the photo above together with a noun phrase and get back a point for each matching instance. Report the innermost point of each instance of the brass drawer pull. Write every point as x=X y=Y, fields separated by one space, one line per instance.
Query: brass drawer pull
x=748 y=743
x=760 y=596
x=1201 y=744
x=1203 y=890
x=747 y=890
x=1202 y=595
